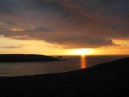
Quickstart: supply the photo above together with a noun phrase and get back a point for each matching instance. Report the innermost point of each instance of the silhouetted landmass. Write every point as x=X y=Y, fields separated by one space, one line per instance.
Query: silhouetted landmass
x=105 y=80
x=25 y=58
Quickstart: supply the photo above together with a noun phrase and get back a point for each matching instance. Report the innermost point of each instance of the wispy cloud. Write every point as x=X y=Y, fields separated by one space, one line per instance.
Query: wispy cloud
x=11 y=47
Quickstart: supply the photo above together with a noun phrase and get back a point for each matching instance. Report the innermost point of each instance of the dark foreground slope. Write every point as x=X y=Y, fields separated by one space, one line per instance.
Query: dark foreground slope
x=105 y=80
x=25 y=58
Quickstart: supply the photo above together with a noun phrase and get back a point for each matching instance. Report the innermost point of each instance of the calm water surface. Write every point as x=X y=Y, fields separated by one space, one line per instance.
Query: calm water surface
x=71 y=63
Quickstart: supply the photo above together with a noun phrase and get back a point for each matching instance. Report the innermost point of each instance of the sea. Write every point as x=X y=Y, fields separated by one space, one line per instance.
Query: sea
x=69 y=63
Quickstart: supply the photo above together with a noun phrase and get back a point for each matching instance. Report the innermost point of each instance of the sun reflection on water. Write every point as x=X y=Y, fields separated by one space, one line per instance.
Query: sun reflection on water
x=83 y=62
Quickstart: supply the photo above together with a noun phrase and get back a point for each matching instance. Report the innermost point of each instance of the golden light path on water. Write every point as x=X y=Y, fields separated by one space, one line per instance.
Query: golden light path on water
x=83 y=62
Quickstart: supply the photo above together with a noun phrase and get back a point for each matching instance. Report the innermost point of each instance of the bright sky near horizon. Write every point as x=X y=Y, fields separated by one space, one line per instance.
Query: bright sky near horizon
x=64 y=27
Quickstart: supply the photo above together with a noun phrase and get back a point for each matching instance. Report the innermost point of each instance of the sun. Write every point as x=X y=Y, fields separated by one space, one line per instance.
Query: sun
x=81 y=51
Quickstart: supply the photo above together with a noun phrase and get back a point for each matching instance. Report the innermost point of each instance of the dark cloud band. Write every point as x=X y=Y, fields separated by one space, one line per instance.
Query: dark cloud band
x=72 y=23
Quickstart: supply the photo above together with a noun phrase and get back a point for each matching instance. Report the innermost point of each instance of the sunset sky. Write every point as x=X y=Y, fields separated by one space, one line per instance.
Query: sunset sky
x=64 y=27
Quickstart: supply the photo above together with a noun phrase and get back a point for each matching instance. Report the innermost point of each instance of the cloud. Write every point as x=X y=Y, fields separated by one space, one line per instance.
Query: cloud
x=72 y=23
x=11 y=47
x=84 y=42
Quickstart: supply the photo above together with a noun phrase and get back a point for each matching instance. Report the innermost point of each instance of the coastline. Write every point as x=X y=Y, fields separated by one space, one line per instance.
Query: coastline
x=110 y=79
x=26 y=58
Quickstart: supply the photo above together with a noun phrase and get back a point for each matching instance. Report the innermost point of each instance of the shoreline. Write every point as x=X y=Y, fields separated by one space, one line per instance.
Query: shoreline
x=5 y=58
x=109 y=79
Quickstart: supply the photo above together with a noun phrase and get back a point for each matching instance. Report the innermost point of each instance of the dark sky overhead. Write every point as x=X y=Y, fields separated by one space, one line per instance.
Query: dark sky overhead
x=72 y=23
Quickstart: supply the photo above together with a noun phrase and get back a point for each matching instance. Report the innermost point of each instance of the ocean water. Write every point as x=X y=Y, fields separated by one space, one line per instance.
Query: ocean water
x=69 y=64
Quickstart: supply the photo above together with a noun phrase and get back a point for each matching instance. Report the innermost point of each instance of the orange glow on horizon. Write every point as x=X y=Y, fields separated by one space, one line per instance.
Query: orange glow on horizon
x=84 y=51
x=14 y=46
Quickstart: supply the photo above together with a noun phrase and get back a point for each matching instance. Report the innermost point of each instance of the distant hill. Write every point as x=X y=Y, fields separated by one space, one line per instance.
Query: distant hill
x=25 y=58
